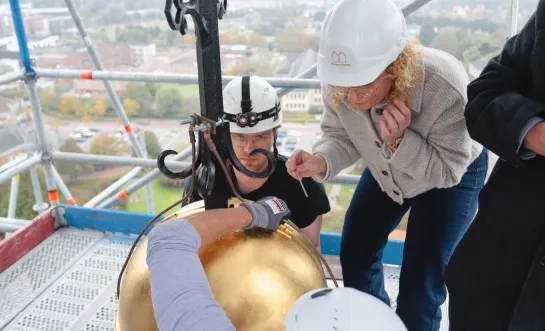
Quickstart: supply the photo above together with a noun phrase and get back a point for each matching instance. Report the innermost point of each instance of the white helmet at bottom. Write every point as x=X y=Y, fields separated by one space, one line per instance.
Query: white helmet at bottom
x=341 y=309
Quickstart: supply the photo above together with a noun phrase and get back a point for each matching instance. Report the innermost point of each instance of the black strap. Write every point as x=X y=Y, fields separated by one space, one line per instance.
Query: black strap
x=246 y=101
x=253 y=118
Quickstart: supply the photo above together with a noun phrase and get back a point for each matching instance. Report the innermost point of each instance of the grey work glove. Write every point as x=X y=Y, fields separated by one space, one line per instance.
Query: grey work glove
x=267 y=213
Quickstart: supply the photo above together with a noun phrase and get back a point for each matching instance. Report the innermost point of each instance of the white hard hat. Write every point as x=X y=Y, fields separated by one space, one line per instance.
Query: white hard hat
x=341 y=309
x=359 y=39
x=251 y=105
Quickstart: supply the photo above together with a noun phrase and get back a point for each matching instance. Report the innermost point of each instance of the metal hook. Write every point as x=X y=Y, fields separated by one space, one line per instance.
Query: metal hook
x=177 y=175
x=179 y=23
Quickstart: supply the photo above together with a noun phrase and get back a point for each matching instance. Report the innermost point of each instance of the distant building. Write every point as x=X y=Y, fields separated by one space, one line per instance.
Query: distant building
x=290 y=66
x=142 y=53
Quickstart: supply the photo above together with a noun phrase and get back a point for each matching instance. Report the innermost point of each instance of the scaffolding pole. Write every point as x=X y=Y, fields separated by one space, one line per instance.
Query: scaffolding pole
x=30 y=80
x=125 y=179
x=113 y=188
x=12 y=77
x=36 y=187
x=13 y=162
x=116 y=160
x=21 y=167
x=163 y=77
x=107 y=84
x=308 y=73
x=8 y=228
x=149 y=194
x=513 y=19
x=52 y=193
x=11 y=224
x=147 y=178
x=13 y=193
x=64 y=189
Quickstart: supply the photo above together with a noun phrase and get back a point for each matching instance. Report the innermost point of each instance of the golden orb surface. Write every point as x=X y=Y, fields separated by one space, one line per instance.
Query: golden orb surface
x=254 y=275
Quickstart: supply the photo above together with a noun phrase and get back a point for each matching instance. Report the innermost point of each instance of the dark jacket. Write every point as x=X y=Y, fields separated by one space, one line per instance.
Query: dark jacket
x=496 y=276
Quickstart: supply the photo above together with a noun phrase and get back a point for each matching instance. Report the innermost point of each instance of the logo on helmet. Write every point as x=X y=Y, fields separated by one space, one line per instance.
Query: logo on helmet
x=338 y=59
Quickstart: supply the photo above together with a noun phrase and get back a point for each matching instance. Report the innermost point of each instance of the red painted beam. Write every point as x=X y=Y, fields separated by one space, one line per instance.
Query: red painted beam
x=26 y=238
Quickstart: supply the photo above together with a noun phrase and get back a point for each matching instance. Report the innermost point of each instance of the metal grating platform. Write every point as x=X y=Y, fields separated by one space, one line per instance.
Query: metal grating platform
x=68 y=282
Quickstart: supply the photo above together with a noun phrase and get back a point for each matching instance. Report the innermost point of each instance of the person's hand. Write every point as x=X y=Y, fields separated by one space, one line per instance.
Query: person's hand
x=304 y=164
x=535 y=139
x=395 y=119
x=267 y=213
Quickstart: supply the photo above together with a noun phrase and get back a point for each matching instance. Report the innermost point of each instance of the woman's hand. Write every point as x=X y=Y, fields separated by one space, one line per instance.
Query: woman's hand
x=304 y=164
x=396 y=118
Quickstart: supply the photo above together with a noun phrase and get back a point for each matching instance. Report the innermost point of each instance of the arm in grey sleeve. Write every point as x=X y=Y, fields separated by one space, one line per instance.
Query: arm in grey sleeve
x=525 y=153
x=180 y=292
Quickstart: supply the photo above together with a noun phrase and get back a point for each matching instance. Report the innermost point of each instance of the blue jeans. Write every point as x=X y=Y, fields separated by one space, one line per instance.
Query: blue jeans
x=438 y=220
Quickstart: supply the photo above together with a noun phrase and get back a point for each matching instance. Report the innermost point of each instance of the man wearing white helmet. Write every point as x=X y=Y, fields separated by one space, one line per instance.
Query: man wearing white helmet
x=400 y=107
x=252 y=107
x=182 y=298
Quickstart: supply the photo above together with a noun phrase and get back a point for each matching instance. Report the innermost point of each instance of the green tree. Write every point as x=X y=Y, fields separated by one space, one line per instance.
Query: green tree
x=50 y=101
x=25 y=195
x=447 y=40
x=72 y=169
x=152 y=145
x=70 y=105
x=168 y=100
x=131 y=107
x=291 y=39
x=427 y=34
x=260 y=66
x=316 y=110
x=104 y=144
x=140 y=93
x=99 y=109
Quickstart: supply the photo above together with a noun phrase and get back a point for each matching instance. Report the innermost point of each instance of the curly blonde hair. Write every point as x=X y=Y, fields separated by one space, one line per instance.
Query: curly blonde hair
x=406 y=72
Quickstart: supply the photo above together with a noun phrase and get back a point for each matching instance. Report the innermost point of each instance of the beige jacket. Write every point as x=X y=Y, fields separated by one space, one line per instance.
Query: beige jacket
x=436 y=148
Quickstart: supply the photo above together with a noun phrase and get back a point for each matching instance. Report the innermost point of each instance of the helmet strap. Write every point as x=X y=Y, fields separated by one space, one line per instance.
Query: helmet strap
x=246 y=100
x=275 y=150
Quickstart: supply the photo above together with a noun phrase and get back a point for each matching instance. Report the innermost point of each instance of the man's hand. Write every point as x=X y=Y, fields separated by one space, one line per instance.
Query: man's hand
x=267 y=213
x=535 y=139
x=396 y=118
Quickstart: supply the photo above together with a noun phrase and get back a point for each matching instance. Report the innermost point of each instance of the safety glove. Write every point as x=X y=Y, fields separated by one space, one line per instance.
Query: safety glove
x=267 y=213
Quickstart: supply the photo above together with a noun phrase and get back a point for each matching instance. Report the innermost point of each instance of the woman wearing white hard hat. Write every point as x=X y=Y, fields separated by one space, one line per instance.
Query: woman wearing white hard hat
x=182 y=298
x=399 y=107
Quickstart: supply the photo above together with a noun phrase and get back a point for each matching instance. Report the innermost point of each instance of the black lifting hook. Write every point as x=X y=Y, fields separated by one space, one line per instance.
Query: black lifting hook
x=177 y=175
x=177 y=22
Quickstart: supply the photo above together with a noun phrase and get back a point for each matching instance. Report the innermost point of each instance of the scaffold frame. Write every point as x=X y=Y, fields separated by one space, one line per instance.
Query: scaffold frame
x=42 y=154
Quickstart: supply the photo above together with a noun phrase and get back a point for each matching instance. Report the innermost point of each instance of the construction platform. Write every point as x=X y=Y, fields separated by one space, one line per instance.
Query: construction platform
x=60 y=271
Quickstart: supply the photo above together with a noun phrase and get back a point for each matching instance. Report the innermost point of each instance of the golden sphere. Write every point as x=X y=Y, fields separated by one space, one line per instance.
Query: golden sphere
x=254 y=275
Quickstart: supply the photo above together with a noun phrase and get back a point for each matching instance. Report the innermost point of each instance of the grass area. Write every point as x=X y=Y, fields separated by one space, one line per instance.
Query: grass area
x=334 y=220
x=163 y=197
x=110 y=32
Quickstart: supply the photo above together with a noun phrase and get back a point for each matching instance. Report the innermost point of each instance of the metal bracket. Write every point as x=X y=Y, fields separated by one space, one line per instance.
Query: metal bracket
x=58 y=214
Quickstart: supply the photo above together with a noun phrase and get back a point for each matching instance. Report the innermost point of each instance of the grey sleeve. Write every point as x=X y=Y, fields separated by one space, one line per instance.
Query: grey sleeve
x=180 y=293
x=525 y=153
